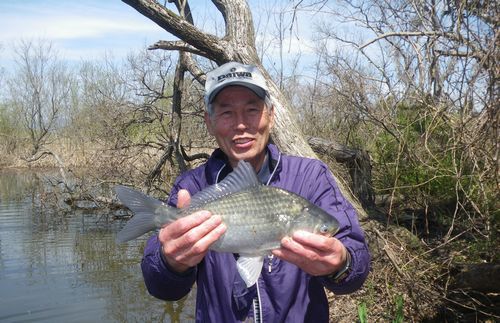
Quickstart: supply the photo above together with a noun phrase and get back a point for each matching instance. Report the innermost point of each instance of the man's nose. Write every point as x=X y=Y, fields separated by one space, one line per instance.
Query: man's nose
x=241 y=122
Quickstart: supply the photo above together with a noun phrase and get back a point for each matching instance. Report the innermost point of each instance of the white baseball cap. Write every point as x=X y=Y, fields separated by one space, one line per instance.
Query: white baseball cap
x=234 y=73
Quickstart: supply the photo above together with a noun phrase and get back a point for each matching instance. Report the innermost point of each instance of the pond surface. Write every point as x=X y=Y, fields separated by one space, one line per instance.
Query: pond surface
x=67 y=267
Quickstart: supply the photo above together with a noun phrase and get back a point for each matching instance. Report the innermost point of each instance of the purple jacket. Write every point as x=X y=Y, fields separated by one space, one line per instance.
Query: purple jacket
x=286 y=293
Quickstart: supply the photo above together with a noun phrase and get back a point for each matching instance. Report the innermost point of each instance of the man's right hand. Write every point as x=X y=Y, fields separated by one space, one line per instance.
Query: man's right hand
x=186 y=240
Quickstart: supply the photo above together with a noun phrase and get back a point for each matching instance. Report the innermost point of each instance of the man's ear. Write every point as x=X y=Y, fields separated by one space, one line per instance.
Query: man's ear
x=208 y=123
x=271 y=116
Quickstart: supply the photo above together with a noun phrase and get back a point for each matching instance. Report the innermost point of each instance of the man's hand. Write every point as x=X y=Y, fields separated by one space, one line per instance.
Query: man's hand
x=315 y=254
x=186 y=240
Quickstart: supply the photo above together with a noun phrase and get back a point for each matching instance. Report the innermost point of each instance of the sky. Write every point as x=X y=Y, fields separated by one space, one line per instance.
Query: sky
x=77 y=29
x=97 y=29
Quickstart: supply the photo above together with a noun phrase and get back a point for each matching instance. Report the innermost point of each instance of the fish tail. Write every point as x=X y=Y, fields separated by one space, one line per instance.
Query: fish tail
x=146 y=215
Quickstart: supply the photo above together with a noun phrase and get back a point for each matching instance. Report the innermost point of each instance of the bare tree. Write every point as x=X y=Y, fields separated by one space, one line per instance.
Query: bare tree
x=238 y=44
x=437 y=58
x=42 y=90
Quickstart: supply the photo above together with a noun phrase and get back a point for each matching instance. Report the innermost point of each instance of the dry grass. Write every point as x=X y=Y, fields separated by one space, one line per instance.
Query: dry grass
x=399 y=268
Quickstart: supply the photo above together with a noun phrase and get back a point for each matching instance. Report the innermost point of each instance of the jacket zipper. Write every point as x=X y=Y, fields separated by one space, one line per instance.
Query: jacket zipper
x=270 y=263
x=257 y=310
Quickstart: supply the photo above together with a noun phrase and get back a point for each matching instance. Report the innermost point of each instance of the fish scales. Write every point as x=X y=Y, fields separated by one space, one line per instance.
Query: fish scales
x=256 y=219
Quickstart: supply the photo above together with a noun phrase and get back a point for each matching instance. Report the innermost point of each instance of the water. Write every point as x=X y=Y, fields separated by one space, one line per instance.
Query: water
x=67 y=268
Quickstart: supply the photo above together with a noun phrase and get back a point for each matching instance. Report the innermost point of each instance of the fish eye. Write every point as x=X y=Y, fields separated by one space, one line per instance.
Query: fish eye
x=305 y=209
x=323 y=228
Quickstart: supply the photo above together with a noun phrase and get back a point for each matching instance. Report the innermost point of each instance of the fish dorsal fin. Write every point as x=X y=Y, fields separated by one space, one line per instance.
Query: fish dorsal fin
x=241 y=178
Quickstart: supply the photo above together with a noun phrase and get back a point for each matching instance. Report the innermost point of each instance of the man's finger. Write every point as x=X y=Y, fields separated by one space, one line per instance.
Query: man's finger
x=192 y=256
x=198 y=232
x=190 y=246
x=183 y=198
x=300 y=249
x=208 y=239
x=183 y=225
x=314 y=241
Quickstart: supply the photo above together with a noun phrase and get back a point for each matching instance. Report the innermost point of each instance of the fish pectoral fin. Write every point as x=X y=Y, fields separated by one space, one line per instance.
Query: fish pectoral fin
x=249 y=268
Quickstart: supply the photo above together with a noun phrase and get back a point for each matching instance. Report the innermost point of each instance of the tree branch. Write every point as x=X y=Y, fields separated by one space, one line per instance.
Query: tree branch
x=452 y=36
x=180 y=27
x=177 y=45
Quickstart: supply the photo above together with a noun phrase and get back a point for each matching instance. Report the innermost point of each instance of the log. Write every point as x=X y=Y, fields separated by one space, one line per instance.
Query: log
x=483 y=278
x=358 y=163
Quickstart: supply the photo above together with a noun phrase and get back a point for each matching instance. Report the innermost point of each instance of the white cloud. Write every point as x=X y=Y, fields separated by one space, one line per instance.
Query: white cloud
x=84 y=29
x=73 y=22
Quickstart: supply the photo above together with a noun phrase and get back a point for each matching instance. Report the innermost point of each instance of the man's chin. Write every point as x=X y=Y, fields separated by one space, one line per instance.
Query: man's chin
x=242 y=153
x=239 y=156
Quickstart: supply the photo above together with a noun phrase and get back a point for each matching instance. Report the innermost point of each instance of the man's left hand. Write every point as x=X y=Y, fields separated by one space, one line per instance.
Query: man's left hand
x=315 y=254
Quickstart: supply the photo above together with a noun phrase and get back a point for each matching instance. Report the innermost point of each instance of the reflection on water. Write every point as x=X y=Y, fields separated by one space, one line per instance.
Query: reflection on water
x=67 y=268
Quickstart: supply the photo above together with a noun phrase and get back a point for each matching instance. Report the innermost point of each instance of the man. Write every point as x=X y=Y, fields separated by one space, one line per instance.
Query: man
x=240 y=116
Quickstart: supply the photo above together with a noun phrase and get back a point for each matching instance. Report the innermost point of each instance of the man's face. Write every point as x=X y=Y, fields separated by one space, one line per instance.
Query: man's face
x=241 y=125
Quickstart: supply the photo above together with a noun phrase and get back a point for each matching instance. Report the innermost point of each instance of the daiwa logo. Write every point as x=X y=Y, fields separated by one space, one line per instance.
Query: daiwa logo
x=232 y=74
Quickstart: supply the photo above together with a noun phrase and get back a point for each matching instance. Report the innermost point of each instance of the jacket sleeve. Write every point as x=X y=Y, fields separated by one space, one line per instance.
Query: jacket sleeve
x=326 y=194
x=160 y=280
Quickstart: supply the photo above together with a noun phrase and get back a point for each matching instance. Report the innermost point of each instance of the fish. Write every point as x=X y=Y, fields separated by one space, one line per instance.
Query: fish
x=256 y=216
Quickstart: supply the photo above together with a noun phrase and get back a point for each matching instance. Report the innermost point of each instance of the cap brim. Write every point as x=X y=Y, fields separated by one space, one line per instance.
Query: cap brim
x=260 y=92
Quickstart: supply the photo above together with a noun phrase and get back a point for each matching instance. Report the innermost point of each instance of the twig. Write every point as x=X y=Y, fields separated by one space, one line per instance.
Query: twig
x=389 y=255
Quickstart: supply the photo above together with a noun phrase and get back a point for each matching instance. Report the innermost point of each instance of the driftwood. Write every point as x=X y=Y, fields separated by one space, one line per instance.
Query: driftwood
x=89 y=202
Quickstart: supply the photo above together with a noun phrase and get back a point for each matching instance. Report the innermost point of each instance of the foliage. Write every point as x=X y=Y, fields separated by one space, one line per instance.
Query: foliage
x=416 y=163
x=399 y=316
x=425 y=169
x=362 y=313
